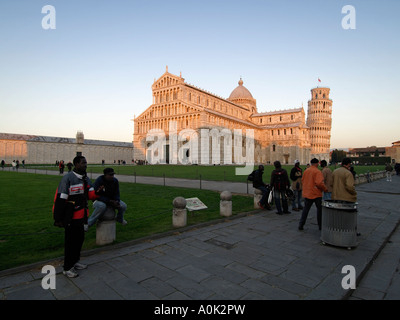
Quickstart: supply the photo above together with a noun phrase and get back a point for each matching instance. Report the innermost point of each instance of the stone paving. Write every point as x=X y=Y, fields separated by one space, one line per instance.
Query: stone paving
x=254 y=257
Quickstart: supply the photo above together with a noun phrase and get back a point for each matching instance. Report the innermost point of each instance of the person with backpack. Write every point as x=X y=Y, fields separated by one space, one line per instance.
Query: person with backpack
x=280 y=182
x=258 y=183
x=313 y=185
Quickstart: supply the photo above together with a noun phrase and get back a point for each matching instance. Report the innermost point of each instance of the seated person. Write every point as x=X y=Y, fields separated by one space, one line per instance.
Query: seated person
x=258 y=183
x=107 y=187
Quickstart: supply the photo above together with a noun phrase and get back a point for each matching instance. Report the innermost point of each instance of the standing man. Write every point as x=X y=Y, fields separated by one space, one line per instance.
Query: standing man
x=313 y=185
x=388 y=170
x=328 y=180
x=75 y=189
x=107 y=187
x=280 y=182
x=343 y=183
x=295 y=175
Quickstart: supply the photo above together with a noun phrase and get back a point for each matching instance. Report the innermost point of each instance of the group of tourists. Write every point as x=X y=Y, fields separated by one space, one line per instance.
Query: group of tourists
x=76 y=190
x=313 y=185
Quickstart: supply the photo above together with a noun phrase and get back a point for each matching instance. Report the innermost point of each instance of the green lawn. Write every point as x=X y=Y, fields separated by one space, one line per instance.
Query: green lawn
x=27 y=233
x=214 y=173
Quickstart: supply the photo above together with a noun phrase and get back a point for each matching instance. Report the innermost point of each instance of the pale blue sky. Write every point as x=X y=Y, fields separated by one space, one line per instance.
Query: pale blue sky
x=95 y=70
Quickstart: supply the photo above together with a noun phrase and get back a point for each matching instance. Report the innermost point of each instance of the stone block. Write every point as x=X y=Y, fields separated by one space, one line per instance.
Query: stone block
x=257 y=198
x=106 y=229
x=225 y=204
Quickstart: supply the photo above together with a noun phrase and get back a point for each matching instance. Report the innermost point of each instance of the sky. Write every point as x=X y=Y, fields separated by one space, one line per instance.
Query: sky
x=94 y=71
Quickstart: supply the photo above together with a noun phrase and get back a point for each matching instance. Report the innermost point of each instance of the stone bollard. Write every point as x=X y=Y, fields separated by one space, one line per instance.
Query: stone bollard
x=106 y=229
x=257 y=198
x=225 y=204
x=179 y=213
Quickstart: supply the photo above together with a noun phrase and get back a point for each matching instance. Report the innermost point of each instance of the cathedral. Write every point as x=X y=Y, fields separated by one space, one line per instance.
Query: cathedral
x=194 y=126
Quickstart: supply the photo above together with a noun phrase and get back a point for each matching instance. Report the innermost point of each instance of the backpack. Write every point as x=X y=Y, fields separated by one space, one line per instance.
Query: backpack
x=279 y=183
x=250 y=177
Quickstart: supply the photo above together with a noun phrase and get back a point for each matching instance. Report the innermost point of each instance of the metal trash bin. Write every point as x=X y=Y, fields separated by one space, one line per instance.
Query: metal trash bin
x=339 y=223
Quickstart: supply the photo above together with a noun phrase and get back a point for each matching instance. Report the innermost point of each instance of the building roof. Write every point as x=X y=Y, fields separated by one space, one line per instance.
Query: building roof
x=367 y=149
x=270 y=113
x=33 y=138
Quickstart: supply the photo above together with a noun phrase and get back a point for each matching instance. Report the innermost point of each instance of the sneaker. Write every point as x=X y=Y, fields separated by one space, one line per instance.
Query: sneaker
x=71 y=273
x=301 y=228
x=80 y=266
x=123 y=222
x=260 y=205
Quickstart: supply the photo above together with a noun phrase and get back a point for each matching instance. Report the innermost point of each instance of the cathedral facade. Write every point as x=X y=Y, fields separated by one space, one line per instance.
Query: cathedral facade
x=192 y=125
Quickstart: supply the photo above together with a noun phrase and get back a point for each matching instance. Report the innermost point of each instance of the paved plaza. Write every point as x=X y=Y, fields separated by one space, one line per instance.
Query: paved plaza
x=257 y=256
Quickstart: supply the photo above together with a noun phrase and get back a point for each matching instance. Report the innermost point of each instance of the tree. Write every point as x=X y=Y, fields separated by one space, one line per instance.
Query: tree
x=338 y=155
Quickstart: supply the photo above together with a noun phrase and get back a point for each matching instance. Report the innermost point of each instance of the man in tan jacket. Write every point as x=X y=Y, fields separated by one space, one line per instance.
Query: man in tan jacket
x=343 y=183
x=313 y=185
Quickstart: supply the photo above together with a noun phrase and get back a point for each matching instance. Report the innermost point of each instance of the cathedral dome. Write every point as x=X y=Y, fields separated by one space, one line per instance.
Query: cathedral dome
x=242 y=96
x=241 y=92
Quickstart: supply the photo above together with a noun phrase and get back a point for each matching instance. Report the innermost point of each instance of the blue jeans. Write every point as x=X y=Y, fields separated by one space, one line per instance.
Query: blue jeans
x=327 y=196
x=277 y=196
x=265 y=193
x=99 y=209
x=297 y=198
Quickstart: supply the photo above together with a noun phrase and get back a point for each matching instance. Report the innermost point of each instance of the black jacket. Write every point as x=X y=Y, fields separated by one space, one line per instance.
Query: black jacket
x=110 y=190
x=279 y=179
x=257 y=180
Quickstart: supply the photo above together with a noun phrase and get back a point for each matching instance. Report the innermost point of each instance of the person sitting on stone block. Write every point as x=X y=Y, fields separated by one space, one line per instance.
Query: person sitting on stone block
x=258 y=183
x=107 y=187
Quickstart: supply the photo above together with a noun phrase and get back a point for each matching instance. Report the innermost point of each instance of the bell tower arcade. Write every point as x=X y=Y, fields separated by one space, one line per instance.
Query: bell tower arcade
x=319 y=119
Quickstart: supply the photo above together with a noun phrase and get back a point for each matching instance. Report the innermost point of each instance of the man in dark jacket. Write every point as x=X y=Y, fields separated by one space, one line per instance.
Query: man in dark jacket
x=280 y=182
x=73 y=192
x=107 y=188
x=258 y=183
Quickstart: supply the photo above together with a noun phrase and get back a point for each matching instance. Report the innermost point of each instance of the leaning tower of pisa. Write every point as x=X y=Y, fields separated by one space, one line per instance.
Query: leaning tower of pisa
x=319 y=120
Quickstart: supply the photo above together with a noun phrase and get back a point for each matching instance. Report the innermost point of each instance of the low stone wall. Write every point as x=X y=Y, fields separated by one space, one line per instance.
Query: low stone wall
x=369 y=177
